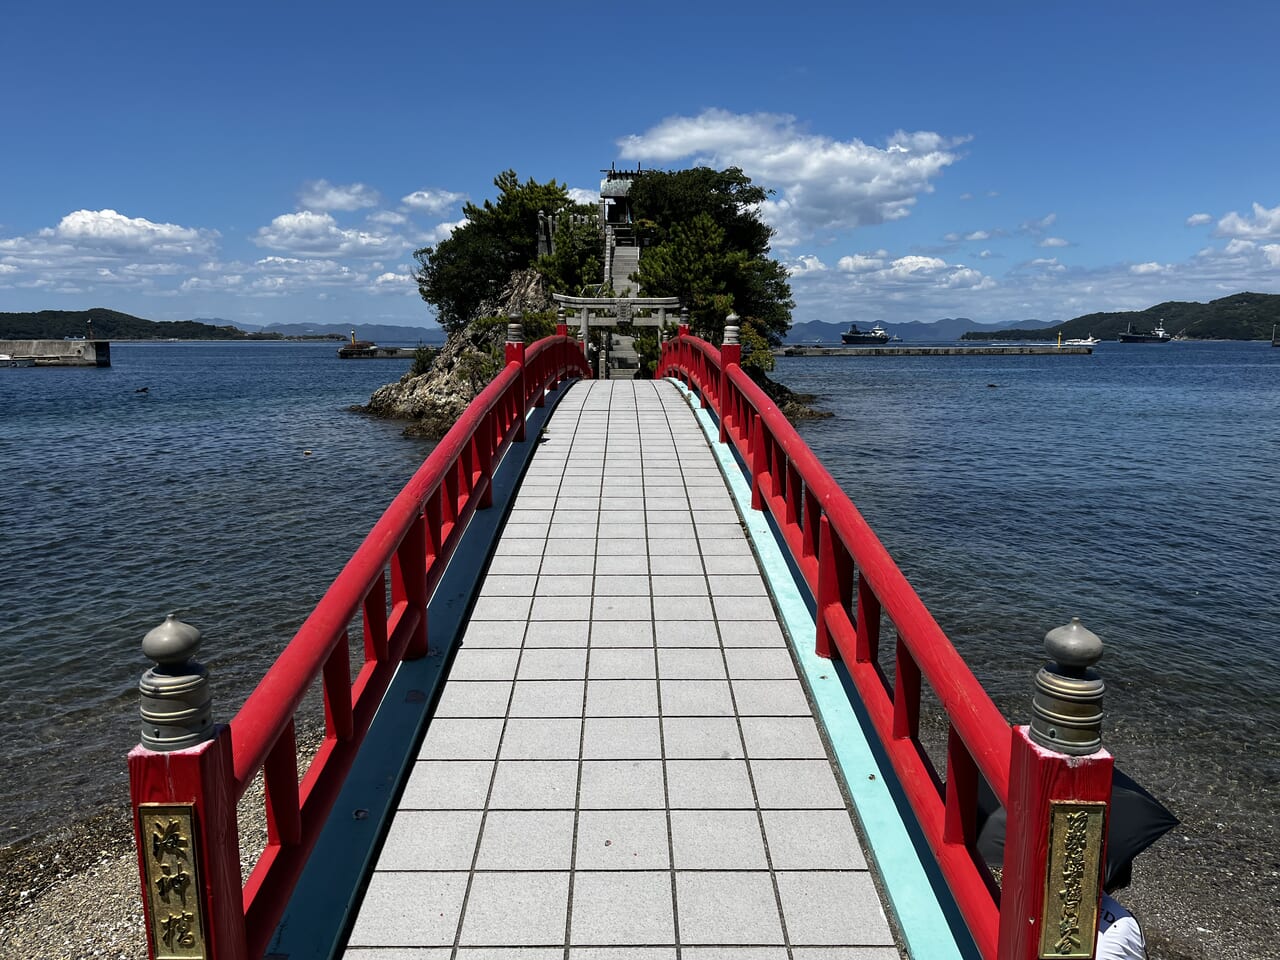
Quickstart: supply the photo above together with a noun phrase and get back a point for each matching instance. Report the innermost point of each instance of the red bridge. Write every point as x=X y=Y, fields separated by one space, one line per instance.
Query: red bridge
x=635 y=673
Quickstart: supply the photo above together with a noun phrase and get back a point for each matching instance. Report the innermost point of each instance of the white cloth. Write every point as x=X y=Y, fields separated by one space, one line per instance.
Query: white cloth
x=1119 y=936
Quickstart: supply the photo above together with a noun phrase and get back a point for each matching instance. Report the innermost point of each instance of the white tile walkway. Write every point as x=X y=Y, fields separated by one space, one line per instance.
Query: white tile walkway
x=623 y=764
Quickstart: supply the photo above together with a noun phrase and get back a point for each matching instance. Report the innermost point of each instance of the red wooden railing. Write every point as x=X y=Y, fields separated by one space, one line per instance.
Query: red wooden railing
x=855 y=584
x=411 y=543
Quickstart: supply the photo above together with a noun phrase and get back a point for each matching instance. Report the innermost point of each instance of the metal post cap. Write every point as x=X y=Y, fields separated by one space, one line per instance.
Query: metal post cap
x=515 y=333
x=175 y=703
x=171 y=642
x=1067 y=707
x=1073 y=645
x=731 y=333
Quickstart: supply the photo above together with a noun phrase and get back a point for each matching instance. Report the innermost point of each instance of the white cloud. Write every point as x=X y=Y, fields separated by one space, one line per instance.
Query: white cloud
x=394 y=283
x=906 y=266
x=1053 y=242
x=579 y=195
x=985 y=254
x=1038 y=227
x=319 y=234
x=1048 y=263
x=316 y=269
x=1147 y=268
x=225 y=282
x=388 y=217
x=822 y=185
x=434 y=202
x=7 y=268
x=1272 y=253
x=323 y=195
x=966 y=196
x=441 y=231
x=1199 y=219
x=111 y=232
x=806 y=263
x=889 y=275
x=978 y=235
x=1264 y=225
x=857 y=263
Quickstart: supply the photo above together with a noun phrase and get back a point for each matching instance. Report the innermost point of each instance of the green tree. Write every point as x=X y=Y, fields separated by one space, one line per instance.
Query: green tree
x=576 y=262
x=460 y=273
x=708 y=246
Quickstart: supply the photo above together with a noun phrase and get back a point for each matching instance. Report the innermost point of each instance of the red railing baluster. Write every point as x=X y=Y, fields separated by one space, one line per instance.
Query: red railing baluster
x=906 y=695
x=375 y=621
x=280 y=785
x=414 y=538
x=962 y=793
x=337 y=692
x=829 y=540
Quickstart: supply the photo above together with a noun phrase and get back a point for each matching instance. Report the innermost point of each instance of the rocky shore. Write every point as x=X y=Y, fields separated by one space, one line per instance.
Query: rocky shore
x=74 y=894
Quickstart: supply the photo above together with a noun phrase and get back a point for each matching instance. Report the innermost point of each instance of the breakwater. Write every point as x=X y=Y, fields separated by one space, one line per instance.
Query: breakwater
x=55 y=353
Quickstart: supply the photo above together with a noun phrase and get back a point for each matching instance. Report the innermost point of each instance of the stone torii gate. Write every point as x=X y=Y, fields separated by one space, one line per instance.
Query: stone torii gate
x=622 y=314
x=619 y=311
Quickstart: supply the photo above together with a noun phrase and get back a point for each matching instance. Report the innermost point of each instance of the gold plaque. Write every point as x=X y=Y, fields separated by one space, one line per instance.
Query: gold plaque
x=171 y=866
x=1070 y=919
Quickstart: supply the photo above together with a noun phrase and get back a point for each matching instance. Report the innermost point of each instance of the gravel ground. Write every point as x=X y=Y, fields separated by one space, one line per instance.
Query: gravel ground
x=74 y=895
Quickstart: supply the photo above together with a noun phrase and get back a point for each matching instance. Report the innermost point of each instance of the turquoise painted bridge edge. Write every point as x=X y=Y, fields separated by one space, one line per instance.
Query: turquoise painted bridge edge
x=926 y=915
x=323 y=905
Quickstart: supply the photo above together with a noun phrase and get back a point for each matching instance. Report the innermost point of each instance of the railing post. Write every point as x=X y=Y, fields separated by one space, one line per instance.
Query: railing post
x=759 y=460
x=1059 y=795
x=183 y=792
x=730 y=353
x=515 y=352
x=683 y=329
x=562 y=327
x=835 y=573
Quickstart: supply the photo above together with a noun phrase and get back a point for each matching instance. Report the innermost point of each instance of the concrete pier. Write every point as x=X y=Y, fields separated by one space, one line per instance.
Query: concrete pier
x=56 y=353
x=987 y=350
x=376 y=353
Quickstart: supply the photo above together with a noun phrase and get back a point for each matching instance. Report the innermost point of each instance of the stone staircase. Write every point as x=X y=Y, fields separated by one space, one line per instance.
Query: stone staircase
x=626 y=261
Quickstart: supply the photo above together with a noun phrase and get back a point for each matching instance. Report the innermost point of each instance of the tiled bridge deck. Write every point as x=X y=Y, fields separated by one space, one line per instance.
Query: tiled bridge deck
x=623 y=762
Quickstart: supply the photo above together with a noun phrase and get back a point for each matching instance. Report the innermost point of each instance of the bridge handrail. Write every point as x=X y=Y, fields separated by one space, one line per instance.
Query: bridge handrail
x=853 y=581
x=413 y=539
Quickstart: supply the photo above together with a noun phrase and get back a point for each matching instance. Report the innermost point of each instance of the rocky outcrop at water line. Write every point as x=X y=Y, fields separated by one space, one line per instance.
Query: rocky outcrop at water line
x=433 y=400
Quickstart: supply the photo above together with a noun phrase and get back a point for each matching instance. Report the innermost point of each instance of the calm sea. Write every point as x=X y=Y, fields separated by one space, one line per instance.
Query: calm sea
x=1135 y=488
x=232 y=491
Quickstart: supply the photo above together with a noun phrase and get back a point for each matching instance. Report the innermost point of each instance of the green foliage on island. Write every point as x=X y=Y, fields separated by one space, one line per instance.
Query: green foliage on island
x=113 y=325
x=469 y=268
x=709 y=247
x=1241 y=316
x=703 y=240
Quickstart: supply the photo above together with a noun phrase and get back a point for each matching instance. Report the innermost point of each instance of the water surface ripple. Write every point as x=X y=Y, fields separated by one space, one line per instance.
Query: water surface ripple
x=232 y=490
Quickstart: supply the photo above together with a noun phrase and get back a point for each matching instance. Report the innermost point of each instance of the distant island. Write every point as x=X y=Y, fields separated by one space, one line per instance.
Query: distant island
x=114 y=325
x=1241 y=316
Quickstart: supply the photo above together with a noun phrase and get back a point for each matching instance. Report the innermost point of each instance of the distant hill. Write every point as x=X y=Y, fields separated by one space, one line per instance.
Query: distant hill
x=948 y=328
x=114 y=325
x=110 y=325
x=1241 y=316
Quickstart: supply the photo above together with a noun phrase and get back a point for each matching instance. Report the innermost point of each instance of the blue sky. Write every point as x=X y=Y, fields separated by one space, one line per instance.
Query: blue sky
x=276 y=162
